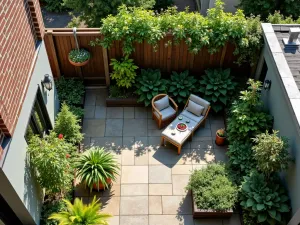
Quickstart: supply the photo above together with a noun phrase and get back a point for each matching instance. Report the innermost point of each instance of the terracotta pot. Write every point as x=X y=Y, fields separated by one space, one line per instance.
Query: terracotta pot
x=220 y=140
x=78 y=64
x=101 y=186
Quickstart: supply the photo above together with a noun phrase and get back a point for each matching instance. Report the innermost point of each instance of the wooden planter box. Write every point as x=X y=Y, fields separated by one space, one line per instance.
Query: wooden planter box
x=209 y=213
x=123 y=102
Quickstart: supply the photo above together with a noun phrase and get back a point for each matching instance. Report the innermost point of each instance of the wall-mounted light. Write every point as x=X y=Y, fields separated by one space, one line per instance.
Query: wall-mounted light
x=47 y=82
x=267 y=84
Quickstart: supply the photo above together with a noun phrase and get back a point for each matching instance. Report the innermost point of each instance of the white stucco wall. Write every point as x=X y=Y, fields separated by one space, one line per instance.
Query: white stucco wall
x=15 y=166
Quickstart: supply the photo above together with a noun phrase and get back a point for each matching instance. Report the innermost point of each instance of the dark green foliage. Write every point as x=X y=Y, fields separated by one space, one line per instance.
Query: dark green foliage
x=55 y=5
x=69 y=90
x=291 y=8
x=77 y=111
x=258 y=7
x=181 y=85
x=212 y=189
x=91 y=13
x=162 y=4
x=241 y=161
x=117 y=92
x=246 y=118
x=217 y=87
x=149 y=84
x=265 y=200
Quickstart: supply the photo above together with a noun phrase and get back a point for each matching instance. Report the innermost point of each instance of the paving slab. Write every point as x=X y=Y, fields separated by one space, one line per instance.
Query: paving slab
x=182 y=169
x=134 y=189
x=114 y=113
x=134 y=220
x=81 y=191
x=233 y=220
x=171 y=220
x=159 y=174
x=152 y=124
x=167 y=156
x=113 y=191
x=205 y=144
x=140 y=112
x=100 y=112
x=113 y=143
x=220 y=155
x=135 y=127
x=202 y=132
x=93 y=127
x=179 y=184
x=202 y=156
x=89 y=112
x=155 y=205
x=134 y=175
x=127 y=157
x=160 y=189
x=110 y=205
x=177 y=205
x=114 y=128
x=209 y=222
x=129 y=112
x=90 y=98
x=134 y=205
x=115 y=220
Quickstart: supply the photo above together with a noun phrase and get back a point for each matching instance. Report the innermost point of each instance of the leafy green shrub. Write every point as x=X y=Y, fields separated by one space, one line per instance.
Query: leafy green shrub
x=291 y=8
x=124 y=72
x=77 y=111
x=133 y=25
x=266 y=202
x=79 y=55
x=55 y=5
x=69 y=90
x=278 y=18
x=241 y=161
x=212 y=189
x=162 y=4
x=181 y=85
x=246 y=117
x=92 y=13
x=81 y=214
x=258 y=7
x=48 y=156
x=117 y=92
x=67 y=124
x=94 y=166
x=149 y=84
x=217 y=87
x=270 y=152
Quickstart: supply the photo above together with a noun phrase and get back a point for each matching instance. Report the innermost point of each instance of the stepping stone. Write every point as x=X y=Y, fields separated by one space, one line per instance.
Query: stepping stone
x=134 y=175
x=155 y=205
x=134 y=189
x=177 y=205
x=160 y=174
x=134 y=205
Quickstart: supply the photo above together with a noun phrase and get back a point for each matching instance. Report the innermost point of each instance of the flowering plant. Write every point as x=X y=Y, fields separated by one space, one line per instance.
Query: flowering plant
x=79 y=55
x=221 y=132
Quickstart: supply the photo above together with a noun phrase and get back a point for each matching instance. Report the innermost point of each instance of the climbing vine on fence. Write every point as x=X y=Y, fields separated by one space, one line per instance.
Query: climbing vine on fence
x=132 y=25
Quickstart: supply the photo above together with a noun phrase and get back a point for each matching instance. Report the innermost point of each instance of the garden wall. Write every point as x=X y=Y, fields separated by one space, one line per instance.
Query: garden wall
x=168 y=57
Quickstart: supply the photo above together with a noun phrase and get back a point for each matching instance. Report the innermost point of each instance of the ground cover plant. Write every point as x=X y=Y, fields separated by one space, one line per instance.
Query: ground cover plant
x=132 y=25
x=79 y=55
x=217 y=87
x=212 y=189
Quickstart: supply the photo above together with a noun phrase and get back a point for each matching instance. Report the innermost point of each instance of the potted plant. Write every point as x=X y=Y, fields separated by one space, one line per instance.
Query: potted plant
x=213 y=194
x=79 y=57
x=220 y=137
x=96 y=168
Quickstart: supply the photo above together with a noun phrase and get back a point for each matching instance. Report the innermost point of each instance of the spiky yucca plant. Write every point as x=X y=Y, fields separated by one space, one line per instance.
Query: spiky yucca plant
x=95 y=165
x=81 y=214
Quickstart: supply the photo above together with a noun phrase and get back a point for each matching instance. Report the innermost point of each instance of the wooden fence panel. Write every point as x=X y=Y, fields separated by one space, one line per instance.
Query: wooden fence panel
x=168 y=56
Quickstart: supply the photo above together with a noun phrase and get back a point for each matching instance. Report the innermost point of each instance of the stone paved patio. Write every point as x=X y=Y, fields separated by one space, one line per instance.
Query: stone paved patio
x=151 y=187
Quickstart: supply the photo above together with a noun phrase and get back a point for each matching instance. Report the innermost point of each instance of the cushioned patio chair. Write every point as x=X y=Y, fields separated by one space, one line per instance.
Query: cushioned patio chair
x=162 y=111
x=196 y=109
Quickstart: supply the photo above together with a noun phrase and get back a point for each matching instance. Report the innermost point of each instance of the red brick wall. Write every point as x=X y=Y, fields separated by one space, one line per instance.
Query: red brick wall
x=21 y=25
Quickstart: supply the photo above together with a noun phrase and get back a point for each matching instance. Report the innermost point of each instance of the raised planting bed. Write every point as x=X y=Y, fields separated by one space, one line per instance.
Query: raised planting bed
x=123 y=102
x=209 y=213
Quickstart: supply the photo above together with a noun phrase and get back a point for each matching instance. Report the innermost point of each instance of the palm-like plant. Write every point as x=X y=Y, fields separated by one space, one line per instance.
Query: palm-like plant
x=95 y=167
x=81 y=214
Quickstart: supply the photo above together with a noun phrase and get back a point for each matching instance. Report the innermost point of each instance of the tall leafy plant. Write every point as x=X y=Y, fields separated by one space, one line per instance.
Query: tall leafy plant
x=217 y=87
x=265 y=202
x=247 y=118
x=48 y=158
x=241 y=160
x=123 y=72
x=149 y=84
x=271 y=152
x=81 y=214
x=181 y=85
x=67 y=124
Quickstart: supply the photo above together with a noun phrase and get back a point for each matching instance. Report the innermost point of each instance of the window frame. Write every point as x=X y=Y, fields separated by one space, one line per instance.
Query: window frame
x=39 y=107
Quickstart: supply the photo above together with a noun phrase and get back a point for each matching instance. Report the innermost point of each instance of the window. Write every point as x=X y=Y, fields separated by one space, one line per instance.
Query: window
x=7 y=216
x=2 y=136
x=263 y=72
x=39 y=122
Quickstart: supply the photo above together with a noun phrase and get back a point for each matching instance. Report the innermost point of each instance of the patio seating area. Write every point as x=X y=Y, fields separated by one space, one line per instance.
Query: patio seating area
x=151 y=187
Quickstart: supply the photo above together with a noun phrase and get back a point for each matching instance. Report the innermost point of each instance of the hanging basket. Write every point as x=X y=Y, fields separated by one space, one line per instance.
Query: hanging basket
x=78 y=63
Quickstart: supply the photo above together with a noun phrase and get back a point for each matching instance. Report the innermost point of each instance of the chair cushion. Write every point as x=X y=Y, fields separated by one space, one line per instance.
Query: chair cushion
x=194 y=108
x=200 y=101
x=192 y=116
x=166 y=113
x=162 y=103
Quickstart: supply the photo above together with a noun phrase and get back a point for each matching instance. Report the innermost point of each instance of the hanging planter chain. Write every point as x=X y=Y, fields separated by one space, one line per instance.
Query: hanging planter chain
x=75 y=36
